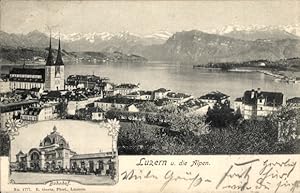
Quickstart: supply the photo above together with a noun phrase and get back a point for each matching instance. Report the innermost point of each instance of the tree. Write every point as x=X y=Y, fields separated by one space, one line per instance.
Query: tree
x=221 y=116
x=148 y=107
x=287 y=123
x=135 y=138
x=62 y=109
x=170 y=108
x=193 y=123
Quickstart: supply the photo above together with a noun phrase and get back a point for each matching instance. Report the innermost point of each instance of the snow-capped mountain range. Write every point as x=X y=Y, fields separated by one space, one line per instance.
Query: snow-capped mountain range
x=250 y=32
x=158 y=37
x=293 y=29
x=230 y=43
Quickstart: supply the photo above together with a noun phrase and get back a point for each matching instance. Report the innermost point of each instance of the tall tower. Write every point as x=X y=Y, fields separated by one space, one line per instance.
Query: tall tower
x=54 y=72
x=59 y=69
x=49 y=70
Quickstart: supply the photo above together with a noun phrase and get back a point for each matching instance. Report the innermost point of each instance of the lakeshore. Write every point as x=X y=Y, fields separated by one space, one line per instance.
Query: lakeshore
x=279 y=77
x=181 y=78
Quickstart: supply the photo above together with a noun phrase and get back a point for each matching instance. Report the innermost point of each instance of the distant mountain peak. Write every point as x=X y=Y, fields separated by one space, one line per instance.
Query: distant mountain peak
x=254 y=32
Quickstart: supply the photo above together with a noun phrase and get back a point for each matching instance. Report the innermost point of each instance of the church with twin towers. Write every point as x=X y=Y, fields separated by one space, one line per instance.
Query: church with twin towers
x=50 y=77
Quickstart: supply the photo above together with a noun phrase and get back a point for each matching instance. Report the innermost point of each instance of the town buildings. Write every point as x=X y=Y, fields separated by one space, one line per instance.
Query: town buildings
x=88 y=82
x=124 y=89
x=178 y=97
x=27 y=78
x=215 y=97
x=90 y=112
x=101 y=163
x=13 y=110
x=54 y=154
x=41 y=112
x=49 y=78
x=140 y=95
x=257 y=103
x=160 y=93
x=119 y=103
x=97 y=114
x=194 y=107
x=79 y=99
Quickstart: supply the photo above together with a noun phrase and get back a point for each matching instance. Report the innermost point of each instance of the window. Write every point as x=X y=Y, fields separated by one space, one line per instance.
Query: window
x=261 y=108
x=100 y=164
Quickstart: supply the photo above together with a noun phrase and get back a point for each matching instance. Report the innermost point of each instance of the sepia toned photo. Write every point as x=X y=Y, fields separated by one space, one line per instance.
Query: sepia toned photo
x=85 y=84
x=53 y=150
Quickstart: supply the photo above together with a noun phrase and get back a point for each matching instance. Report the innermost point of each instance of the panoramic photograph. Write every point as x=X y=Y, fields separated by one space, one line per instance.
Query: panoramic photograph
x=85 y=81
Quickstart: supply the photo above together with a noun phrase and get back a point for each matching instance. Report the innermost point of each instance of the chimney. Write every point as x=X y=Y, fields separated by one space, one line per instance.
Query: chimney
x=252 y=93
x=258 y=90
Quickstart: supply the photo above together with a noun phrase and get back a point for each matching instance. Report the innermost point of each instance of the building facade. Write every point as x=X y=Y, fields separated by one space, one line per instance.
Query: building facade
x=54 y=154
x=27 y=78
x=140 y=95
x=256 y=103
x=76 y=104
x=118 y=103
x=124 y=89
x=86 y=81
x=41 y=112
x=160 y=93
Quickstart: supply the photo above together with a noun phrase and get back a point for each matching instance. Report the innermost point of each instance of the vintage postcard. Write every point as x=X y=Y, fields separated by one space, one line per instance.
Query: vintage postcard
x=149 y=96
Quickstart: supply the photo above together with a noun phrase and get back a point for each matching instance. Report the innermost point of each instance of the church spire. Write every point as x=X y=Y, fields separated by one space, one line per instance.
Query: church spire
x=49 y=61
x=59 y=60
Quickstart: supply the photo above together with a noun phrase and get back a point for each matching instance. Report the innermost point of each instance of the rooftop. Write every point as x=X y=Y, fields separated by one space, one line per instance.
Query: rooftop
x=126 y=86
x=161 y=90
x=239 y=99
x=271 y=98
x=91 y=78
x=215 y=95
x=54 y=138
x=193 y=103
x=24 y=102
x=92 y=155
x=30 y=71
x=177 y=95
x=141 y=92
x=33 y=111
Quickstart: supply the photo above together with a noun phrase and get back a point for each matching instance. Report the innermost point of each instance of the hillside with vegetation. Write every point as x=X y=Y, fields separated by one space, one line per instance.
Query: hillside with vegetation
x=281 y=65
x=219 y=132
x=187 y=47
x=30 y=55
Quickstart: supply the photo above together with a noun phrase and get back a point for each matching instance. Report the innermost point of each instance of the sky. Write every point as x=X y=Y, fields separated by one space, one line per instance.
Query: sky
x=142 y=17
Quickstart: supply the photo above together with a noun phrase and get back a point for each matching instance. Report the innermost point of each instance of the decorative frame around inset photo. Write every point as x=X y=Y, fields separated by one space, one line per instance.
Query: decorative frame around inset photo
x=67 y=151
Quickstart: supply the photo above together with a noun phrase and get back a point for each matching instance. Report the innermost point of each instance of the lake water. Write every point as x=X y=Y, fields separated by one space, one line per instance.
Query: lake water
x=183 y=78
